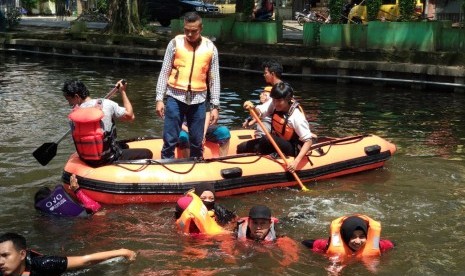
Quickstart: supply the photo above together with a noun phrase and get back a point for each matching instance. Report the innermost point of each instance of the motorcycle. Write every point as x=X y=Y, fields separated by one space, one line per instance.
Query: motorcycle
x=309 y=16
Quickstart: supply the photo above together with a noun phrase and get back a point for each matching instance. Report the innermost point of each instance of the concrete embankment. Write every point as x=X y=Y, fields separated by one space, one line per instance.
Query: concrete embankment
x=420 y=70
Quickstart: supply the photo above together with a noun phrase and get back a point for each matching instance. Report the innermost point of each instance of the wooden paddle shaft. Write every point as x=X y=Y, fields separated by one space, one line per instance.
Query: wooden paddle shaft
x=276 y=147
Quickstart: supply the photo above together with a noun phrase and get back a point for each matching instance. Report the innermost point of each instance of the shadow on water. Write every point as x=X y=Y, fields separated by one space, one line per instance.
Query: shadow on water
x=418 y=195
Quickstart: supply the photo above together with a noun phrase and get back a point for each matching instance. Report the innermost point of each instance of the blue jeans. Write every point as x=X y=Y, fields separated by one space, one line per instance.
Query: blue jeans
x=175 y=111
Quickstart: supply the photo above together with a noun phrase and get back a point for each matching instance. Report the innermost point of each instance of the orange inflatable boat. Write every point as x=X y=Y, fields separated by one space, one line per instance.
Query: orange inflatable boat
x=157 y=180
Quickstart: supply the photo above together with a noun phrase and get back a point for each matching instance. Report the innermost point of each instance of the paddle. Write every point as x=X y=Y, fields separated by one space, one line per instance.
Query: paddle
x=47 y=151
x=278 y=150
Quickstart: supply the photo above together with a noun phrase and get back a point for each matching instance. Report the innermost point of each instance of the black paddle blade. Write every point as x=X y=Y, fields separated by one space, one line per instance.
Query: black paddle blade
x=45 y=153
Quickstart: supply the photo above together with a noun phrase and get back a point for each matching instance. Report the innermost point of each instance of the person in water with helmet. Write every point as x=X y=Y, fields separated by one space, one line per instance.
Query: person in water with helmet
x=59 y=203
x=17 y=260
x=290 y=128
x=97 y=146
x=259 y=226
x=351 y=236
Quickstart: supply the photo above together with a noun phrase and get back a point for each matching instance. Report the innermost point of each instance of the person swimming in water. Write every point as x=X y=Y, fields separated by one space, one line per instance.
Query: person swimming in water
x=16 y=259
x=357 y=236
x=59 y=203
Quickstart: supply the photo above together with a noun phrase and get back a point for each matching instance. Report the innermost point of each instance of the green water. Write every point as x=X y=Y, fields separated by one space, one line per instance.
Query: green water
x=418 y=196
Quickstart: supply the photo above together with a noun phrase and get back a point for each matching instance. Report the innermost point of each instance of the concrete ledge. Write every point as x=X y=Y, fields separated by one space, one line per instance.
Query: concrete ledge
x=298 y=60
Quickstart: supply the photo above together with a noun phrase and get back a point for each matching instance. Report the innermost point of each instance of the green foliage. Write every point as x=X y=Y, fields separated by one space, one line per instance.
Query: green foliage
x=47 y=11
x=335 y=9
x=2 y=22
x=248 y=6
x=102 y=6
x=406 y=9
x=239 y=6
x=245 y=9
x=373 y=9
x=13 y=17
x=29 y=4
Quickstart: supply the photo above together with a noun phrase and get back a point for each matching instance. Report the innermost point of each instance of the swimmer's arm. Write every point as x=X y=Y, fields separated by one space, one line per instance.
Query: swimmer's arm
x=86 y=260
x=88 y=202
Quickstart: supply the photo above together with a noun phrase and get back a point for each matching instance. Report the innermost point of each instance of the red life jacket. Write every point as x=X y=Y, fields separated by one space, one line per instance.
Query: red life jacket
x=94 y=145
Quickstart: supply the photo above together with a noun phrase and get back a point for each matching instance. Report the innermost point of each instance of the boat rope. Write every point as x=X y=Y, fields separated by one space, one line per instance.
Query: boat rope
x=342 y=141
x=147 y=162
x=164 y=162
x=141 y=168
x=242 y=162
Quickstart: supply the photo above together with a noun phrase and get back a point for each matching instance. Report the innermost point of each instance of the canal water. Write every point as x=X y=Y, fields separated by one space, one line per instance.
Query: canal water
x=418 y=196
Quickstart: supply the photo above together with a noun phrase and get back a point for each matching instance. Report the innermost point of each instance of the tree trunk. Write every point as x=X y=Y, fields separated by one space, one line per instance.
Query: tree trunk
x=124 y=18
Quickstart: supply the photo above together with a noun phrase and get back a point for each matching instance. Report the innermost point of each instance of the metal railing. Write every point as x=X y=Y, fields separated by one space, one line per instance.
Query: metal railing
x=454 y=17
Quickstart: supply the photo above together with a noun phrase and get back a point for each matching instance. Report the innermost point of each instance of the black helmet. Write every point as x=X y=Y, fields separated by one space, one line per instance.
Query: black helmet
x=282 y=90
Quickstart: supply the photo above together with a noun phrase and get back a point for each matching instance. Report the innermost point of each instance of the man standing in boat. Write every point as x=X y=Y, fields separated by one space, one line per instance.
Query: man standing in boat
x=190 y=68
x=97 y=146
x=290 y=129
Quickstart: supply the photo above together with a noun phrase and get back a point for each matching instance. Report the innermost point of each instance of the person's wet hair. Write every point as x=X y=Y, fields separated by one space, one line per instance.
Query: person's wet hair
x=75 y=87
x=19 y=242
x=41 y=194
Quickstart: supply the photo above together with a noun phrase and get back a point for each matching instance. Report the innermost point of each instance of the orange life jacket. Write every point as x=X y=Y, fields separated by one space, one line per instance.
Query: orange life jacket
x=242 y=226
x=196 y=213
x=191 y=66
x=92 y=143
x=281 y=127
x=337 y=246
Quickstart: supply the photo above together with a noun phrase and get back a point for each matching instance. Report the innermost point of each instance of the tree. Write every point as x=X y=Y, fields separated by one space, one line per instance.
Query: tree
x=406 y=10
x=124 y=17
x=373 y=9
x=335 y=8
x=245 y=7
